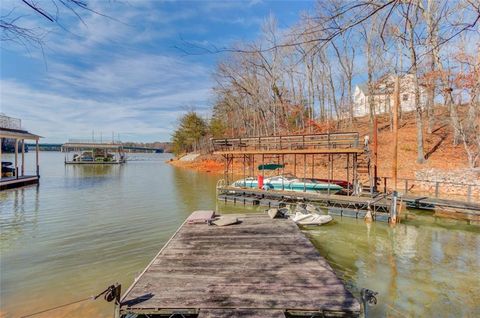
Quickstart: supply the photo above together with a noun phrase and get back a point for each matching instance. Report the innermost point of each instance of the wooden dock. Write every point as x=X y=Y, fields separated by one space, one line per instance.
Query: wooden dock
x=14 y=182
x=380 y=204
x=257 y=268
x=351 y=206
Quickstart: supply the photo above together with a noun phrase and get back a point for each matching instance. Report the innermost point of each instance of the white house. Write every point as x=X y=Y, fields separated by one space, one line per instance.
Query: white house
x=383 y=95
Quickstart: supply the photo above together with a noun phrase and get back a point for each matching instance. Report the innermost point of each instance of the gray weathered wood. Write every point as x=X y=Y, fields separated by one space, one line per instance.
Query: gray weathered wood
x=257 y=268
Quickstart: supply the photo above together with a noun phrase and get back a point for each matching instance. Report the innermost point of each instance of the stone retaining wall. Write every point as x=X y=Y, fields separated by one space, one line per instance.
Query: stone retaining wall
x=454 y=182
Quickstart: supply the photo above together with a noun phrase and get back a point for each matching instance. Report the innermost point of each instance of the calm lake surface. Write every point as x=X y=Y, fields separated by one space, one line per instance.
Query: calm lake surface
x=86 y=227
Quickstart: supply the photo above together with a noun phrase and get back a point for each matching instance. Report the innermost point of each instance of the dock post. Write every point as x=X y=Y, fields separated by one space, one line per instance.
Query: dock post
x=348 y=174
x=304 y=173
x=368 y=217
x=225 y=169
x=118 y=291
x=375 y=154
x=313 y=166
x=244 y=173
x=263 y=170
x=36 y=158
x=355 y=175
x=295 y=165
x=233 y=159
x=23 y=157
x=253 y=165
x=16 y=158
x=368 y=299
x=393 y=208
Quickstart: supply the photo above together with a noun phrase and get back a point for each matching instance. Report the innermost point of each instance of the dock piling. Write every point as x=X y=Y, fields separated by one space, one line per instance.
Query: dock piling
x=393 y=209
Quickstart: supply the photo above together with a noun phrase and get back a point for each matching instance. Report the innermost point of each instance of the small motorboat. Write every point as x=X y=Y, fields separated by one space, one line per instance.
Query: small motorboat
x=7 y=169
x=344 y=184
x=307 y=214
x=311 y=218
x=288 y=183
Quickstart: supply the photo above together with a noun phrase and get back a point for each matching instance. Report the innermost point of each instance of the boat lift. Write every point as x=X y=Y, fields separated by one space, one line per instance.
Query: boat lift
x=300 y=148
x=93 y=152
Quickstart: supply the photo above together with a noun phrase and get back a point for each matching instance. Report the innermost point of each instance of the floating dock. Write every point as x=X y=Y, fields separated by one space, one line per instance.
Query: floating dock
x=94 y=152
x=257 y=268
x=378 y=204
x=351 y=206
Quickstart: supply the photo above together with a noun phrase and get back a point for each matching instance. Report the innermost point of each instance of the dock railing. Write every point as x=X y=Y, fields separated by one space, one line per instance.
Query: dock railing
x=440 y=189
x=94 y=141
x=288 y=142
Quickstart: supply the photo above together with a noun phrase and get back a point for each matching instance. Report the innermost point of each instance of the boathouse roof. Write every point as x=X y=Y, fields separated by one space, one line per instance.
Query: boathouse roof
x=17 y=134
x=90 y=145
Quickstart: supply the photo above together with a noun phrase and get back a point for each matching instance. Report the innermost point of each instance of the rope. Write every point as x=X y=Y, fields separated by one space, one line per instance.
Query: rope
x=57 y=307
x=109 y=295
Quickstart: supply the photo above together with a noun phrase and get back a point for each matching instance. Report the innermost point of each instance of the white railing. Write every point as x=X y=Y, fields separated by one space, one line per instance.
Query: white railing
x=10 y=122
x=94 y=141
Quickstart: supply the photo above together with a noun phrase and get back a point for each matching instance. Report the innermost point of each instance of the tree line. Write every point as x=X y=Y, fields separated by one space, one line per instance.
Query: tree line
x=302 y=79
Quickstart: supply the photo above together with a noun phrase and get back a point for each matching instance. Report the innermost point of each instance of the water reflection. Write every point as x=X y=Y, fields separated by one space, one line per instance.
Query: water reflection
x=185 y=184
x=86 y=227
x=17 y=216
x=85 y=171
x=407 y=265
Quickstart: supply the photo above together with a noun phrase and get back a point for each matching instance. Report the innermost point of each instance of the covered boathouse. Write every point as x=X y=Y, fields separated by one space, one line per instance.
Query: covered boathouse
x=14 y=172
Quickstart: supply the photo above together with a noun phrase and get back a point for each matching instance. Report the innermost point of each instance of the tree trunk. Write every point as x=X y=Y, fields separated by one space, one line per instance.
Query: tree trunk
x=418 y=107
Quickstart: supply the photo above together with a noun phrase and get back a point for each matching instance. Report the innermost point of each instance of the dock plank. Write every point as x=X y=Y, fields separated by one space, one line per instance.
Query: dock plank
x=261 y=266
x=216 y=313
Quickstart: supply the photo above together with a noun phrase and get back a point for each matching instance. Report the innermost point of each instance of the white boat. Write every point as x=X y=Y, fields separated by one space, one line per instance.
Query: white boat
x=311 y=218
x=289 y=183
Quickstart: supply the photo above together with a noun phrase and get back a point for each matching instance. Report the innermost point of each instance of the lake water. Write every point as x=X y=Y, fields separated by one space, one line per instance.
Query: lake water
x=86 y=227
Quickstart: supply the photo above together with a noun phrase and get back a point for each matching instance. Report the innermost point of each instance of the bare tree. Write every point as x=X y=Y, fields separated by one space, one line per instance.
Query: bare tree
x=14 y=30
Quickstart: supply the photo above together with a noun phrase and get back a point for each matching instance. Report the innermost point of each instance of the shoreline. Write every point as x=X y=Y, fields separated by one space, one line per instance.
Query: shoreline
x=214 y=165
x=204 y=165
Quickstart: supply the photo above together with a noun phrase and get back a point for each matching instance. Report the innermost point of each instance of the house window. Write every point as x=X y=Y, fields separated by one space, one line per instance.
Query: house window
x=405 y=97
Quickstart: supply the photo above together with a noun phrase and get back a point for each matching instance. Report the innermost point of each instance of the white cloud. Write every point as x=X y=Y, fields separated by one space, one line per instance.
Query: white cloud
x=134 y=75
x=140 y=95
x=113 y=74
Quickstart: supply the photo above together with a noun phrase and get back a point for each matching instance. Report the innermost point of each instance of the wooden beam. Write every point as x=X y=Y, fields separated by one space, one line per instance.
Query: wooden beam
x=292 y=151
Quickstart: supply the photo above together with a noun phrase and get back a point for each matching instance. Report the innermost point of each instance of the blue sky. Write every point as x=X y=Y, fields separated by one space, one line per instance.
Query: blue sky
x=124 y=75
